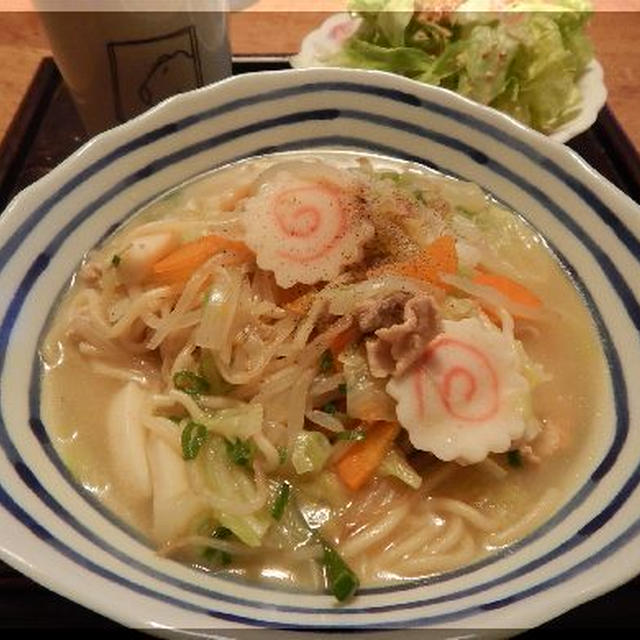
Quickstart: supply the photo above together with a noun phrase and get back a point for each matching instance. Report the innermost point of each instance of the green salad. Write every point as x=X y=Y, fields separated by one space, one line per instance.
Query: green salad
x=524 y=61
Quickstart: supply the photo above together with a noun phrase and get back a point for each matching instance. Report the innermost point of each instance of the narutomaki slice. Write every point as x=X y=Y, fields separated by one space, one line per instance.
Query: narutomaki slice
x=466 y=396
x=306 y=229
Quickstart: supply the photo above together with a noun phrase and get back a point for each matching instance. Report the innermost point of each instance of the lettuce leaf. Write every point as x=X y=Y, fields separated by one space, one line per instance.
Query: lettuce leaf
x=525 y=62
x=487 y=59
x=361 y=54
x=394 y=21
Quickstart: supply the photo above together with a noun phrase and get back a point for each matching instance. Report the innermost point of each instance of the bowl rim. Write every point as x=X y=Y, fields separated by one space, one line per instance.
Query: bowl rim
x=487 y=114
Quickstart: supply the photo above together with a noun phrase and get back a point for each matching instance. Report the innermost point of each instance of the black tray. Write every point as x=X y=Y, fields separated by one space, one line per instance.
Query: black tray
x=46 y=130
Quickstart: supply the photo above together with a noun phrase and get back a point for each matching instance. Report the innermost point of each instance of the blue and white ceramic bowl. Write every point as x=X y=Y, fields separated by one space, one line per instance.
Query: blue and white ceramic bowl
x=53 y=531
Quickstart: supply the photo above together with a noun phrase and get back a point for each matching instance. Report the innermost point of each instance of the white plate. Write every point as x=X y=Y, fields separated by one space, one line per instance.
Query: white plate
x=326 y=40
x=58 y=534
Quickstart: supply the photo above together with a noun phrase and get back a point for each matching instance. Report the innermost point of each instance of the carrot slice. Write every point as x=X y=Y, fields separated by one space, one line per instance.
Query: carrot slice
x=513 y=290
x=288 y=296
x=181 y=263
x=302 y=304
x=428 y=264
x=439 y=257
x=344 y=339
x=297 y=298
x=361 y=460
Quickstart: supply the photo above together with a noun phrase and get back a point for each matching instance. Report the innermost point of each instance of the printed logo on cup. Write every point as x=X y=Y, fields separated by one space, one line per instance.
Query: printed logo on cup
x=145 y=72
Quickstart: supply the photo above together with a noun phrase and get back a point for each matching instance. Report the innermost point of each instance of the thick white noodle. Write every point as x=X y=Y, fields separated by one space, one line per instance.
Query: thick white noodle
x=310 y=355
x=218 y=402
x=305 y=328
x=165 y=429
x=178 y=225
x=298 y=404
x=189 y=298
x=439 y=475
x=451 y=536
x=373 y=532
x=266 y=448
x=325 y=384
x=184 y=360
x=424 y=565
x=477 y=519
x=241 y=377
x=533 y=517
x=492 y=468
x=197 y=413
x=415 y=541
x=123 y=374
x=277 y=382
x=208 y=542
x=82 y=329
x=145 y=302
x=325 y=420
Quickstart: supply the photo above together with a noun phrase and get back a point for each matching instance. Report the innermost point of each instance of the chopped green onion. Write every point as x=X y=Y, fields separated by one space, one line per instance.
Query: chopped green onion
x=419 y=196
x=239 y=451
x=329 y=408
x=221 y=533
x=190 y=382
x=342 y=388
x=326 y=361
x=193 y=437
x=218 y=386
x=514 y=458
x=217 y=556
x=115 y=260
x=351 y=435
x=465 y=212
x=277 y=510
x=283 y=454
x=343 y=582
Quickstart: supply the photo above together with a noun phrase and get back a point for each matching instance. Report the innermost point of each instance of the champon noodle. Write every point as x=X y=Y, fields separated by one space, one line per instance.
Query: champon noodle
x=324 y=370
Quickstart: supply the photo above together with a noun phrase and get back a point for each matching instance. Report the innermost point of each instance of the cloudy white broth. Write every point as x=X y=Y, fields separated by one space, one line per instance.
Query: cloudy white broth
x=325 y=371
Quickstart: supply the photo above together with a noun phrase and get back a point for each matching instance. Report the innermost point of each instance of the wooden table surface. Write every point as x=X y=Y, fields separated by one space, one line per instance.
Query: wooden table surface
x=616 y=37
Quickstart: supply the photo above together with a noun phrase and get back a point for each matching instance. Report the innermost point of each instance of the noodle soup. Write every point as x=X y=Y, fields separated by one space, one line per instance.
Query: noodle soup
x=324 y=370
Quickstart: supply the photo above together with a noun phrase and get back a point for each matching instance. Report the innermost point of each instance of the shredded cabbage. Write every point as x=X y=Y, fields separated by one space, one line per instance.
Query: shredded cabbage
x=233 y=482
x=501 y=243
x=394 y=464
x=219 y=310
x=366 y=396
x=235 y=422
x=310 y=452
x=325 y=487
